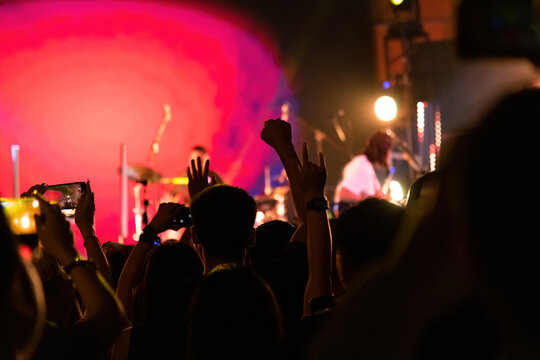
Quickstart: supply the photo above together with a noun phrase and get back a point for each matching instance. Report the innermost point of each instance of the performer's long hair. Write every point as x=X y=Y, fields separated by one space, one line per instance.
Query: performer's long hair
x=377 y=149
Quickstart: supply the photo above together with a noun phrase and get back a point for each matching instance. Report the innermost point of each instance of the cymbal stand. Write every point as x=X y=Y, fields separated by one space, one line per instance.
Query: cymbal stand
x=141 y=213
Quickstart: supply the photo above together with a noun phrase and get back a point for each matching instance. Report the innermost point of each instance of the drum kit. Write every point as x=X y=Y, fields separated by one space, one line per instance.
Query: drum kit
x=150 y=190
x=270 y=205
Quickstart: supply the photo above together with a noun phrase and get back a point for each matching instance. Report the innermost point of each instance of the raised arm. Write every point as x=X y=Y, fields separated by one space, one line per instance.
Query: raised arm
x=277 y=133
x=319 y=241
x=84 y=218
x=103 y=311
x=134 y=266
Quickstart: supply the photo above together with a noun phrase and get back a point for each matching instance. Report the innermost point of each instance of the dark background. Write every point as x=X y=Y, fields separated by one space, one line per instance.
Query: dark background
x=326 y=48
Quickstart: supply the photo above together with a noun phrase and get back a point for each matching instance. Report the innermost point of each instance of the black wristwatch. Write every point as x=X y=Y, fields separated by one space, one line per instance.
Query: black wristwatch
x=150 y=236
x=317 y=204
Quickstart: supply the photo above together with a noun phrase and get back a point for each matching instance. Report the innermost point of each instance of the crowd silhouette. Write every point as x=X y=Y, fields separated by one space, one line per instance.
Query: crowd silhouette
x=452 y=273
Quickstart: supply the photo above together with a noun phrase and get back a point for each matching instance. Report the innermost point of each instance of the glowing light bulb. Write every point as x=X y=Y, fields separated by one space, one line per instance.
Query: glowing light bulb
x=25 y=222
x=396 y=191
x=385 y=108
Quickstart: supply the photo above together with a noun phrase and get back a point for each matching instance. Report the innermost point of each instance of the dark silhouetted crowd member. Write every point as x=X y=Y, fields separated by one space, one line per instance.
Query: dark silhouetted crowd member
x=151 y=269
x=223 y=228
x=271 y=241
x=466 y=282
x=318 y=298
x=363 y=235
x=83 y=315
x=234 y=315
x=498 y=219
x=423 y=190
x=92 y=336
x=281 y=260
x=117 y=255
x=22 y=301
x=168 y=264
x=63 y=305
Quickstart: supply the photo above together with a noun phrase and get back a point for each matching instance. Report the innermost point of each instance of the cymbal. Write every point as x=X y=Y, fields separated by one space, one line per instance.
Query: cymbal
x=140 y=173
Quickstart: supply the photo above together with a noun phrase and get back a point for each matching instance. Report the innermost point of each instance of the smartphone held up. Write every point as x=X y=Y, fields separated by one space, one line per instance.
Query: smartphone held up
x=66 y=195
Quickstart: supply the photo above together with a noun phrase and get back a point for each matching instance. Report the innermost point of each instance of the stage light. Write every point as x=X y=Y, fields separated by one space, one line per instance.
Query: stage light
x=396 y=2
x=259 y=218
x=396 y=191
x=420 y=120
x=25 y=221
x=386 y=108
x=386 y=85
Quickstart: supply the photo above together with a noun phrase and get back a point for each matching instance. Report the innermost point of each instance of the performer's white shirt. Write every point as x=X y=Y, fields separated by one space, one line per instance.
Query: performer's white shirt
x=358 y=177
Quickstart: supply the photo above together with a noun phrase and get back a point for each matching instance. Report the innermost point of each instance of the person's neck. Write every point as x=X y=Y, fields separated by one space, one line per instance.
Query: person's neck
x=211 y=262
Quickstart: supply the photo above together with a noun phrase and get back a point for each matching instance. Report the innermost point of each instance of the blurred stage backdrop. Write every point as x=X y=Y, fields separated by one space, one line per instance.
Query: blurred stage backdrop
x=78 y=79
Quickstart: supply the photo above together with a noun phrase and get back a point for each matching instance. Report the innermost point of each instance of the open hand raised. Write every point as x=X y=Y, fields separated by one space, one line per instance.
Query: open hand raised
x=84 y=214
x=312 y=177
x=198 y=177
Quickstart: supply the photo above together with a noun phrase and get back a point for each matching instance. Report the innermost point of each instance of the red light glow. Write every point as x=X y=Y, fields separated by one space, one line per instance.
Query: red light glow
x=78 y=79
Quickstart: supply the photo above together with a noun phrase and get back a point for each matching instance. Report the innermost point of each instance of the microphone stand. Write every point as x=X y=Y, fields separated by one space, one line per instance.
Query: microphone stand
x=408 y=155
x=154 y=149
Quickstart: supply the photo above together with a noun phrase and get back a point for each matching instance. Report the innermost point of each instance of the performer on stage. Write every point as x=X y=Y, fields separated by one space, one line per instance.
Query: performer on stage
x=180 y=193
x=363 y=175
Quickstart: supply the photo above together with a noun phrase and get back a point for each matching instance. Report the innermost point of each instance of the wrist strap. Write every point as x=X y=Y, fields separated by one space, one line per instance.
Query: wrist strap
x=90 y=237
x=149 y=236
x=317 y=204
x=79 y=262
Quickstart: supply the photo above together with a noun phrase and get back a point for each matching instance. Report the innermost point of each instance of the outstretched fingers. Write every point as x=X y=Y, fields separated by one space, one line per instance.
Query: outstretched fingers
x=322 y=163
x=305 y=154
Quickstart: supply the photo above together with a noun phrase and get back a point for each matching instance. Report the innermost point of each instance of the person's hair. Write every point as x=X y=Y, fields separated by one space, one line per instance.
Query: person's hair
x=234 y=316
x=170 y=263
x=271 y=240
x=365 y=231
x=223 y=220
x=117 y=255
x=199 y=148
x=377 y=148
x=503 y=224
x=418 y=184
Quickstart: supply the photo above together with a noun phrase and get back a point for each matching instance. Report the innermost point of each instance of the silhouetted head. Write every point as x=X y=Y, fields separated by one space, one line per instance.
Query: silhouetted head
x=170 y=264
x=223 y=220
x=423 y=189
x=234 y=316
x=199 y=151
x=364 y=233
x=271 y=240
x=117 y=255
x=378 y=148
